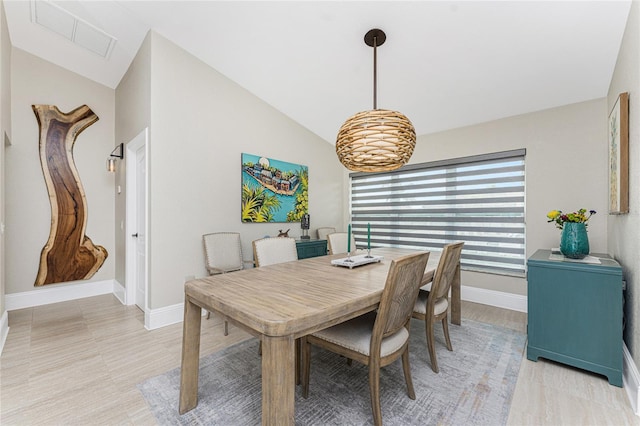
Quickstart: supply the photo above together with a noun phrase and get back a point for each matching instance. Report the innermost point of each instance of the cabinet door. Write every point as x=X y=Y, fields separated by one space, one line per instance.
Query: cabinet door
x=577 y=314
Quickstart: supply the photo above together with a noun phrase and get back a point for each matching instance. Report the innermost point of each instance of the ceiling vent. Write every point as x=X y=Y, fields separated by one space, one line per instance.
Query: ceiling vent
x=82 y=33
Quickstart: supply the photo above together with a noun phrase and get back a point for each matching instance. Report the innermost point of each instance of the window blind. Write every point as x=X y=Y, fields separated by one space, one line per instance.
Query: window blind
x=478 y=200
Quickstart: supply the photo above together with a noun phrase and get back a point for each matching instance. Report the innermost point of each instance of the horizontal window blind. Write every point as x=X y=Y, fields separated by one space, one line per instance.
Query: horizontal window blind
x=478 y=200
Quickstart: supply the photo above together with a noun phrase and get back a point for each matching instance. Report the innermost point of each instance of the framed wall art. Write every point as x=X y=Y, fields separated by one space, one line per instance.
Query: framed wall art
x=273 y=190
x=619 y=156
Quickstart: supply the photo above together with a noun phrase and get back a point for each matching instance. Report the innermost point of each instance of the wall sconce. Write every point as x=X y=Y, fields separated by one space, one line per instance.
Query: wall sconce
x=118 y=152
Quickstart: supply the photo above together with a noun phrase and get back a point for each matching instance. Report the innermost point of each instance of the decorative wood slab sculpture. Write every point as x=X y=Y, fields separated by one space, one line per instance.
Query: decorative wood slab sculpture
x=69 y=254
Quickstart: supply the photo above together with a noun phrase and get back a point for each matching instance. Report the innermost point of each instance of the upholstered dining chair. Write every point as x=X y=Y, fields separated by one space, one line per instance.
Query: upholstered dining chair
x=222 y=254
x=377 y=338
x=433 y=305
x=323 y=232
x=269 y=251
x=337 y=242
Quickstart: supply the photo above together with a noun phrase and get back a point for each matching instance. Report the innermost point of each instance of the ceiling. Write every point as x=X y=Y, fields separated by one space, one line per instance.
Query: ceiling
x=445 y=64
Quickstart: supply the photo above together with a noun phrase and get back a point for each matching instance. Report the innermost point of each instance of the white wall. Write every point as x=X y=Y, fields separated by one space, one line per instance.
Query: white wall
x=566 y=169
x=624 y=230
x=201 y=122
x=28 y=212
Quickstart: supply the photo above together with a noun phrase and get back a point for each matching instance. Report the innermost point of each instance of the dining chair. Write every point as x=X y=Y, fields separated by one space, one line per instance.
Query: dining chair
x=323 y=232
x=337 y=242
x=376 y=339
x=269 y=251
x=222 y=254
x=433 y=305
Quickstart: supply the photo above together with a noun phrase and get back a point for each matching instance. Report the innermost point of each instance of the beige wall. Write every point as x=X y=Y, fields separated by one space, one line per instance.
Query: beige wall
x=133 y=115
x=566 y=169
x=624 y=230
x=28 y=213
x=5 y=129
x=200 y=124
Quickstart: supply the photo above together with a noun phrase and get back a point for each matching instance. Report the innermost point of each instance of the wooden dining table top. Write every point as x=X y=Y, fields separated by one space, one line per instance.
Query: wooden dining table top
x=297 y=298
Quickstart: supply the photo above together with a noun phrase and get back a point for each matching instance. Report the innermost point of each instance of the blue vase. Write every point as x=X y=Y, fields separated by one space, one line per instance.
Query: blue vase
x=574 y=242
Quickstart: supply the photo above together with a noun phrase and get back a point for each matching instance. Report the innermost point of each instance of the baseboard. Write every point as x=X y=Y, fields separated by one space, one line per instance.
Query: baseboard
x=57 y=293
x=4 y=329
x=631 y=379
x=161 y=317
x=119 y=292
x=499 y=299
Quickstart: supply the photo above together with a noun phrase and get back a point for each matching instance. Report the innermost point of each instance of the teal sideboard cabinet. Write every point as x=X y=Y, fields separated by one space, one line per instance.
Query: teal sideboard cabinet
x=311 y=248
x=575 y=313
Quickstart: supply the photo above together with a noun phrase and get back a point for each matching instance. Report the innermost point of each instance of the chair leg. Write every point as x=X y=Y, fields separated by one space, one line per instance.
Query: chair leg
x=298 y=349
x=226 y=328
x=306 y=366
x=445 y=328
x=407 y=374
x=431 y=343
x=374 y=389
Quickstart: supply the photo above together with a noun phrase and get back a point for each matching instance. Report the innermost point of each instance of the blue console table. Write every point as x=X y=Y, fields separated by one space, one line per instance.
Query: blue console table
x=575 y=313
x=311 y=248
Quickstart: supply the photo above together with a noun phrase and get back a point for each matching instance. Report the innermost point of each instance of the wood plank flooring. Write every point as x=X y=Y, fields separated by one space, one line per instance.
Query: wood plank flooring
x=78 y=363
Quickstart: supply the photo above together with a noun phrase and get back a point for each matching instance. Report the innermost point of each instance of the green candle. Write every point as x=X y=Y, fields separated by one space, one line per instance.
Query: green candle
x=349 y=239
x=368 y=236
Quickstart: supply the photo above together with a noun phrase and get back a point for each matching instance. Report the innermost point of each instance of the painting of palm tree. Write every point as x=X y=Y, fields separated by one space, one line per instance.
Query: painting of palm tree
x=257 y=204
x=273 y=190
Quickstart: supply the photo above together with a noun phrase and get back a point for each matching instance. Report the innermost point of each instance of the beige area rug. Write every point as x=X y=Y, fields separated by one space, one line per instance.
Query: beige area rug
x=474 y=387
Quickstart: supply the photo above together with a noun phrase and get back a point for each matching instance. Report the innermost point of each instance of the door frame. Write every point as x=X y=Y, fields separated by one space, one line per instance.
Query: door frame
x=141 y=140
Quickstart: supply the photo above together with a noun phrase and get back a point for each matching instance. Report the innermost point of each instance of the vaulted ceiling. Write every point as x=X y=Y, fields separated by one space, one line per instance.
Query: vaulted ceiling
x=445 y=64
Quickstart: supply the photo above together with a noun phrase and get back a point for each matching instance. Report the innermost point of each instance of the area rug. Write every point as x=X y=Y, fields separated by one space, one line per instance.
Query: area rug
x=474 y=387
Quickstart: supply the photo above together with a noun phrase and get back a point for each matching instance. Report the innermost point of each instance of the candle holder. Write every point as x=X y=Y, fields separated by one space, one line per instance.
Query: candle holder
x=368 y=256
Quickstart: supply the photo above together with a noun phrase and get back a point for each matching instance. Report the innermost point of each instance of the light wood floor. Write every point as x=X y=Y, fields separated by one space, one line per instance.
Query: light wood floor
x=78 y=363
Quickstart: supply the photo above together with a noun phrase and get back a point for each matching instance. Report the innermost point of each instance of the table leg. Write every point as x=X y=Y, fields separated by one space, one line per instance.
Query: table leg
x=278 y=380
x=190 y=356
x=456 y=312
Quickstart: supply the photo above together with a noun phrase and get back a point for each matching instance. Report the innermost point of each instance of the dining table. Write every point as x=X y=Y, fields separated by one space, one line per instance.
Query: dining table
x=281 y=303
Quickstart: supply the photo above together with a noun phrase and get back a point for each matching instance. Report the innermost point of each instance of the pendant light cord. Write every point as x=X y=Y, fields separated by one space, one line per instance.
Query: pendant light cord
x=375 y=73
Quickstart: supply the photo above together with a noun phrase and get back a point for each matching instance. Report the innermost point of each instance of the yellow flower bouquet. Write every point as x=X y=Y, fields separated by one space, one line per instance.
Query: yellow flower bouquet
x=560 y=218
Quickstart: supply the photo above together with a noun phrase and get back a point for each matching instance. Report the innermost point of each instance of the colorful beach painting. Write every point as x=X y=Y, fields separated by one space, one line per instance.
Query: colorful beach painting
x=273 y=190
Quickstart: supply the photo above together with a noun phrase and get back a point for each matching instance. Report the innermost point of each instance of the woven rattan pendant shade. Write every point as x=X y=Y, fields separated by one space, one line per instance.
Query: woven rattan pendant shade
x=379 y=139
x=375 y=141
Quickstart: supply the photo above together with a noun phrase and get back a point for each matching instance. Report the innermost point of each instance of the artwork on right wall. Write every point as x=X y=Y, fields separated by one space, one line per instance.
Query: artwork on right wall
x=619 y=156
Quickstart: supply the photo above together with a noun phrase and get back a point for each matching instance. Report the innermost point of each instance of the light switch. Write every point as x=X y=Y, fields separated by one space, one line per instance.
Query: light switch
x=119 y=189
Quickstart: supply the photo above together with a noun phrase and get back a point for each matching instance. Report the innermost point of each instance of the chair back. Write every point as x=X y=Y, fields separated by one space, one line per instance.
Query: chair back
x=323 y=232
x=446 y=270
x=222 y=252
x=269 y=251
x=337 y=242
x=399 y=294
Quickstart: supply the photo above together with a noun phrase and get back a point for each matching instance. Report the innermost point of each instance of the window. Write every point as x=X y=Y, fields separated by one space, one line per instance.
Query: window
x=478 y=200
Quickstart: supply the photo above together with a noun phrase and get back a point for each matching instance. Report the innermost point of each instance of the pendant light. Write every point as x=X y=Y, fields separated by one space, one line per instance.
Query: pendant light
x=379 y=139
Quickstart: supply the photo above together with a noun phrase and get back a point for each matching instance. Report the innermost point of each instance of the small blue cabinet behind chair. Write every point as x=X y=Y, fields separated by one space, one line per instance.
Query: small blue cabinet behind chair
x=575 y=313
x=311 y=248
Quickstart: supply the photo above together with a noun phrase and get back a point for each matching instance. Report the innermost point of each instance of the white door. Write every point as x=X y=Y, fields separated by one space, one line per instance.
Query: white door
x=136 y=230
x=140 y=227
